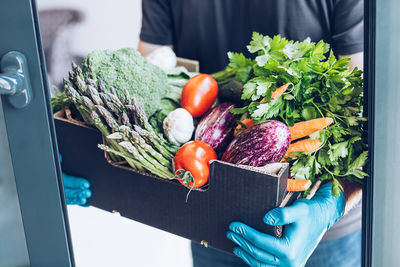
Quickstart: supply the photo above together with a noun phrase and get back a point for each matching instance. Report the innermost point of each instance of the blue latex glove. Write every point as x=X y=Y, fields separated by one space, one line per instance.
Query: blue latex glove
x=306 y=222
x=77 y=190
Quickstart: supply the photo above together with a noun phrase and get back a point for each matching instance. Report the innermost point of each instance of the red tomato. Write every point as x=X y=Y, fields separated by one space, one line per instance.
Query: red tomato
x=194 y=157
x=199 y=94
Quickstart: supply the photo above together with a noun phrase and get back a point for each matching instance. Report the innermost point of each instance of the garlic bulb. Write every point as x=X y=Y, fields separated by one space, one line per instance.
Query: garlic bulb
x=178 y=126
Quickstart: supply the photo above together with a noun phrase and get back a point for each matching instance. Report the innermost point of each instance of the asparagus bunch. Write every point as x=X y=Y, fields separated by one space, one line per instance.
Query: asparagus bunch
x=121 y=120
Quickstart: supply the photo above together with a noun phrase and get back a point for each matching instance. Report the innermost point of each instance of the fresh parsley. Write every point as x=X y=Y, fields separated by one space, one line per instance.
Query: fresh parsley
x=324 y=86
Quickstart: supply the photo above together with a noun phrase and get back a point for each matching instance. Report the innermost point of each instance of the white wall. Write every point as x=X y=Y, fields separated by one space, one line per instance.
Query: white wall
x=101 y=238
x=109 y=24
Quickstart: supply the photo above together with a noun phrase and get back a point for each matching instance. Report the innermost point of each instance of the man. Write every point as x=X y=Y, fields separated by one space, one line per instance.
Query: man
x=205 y=31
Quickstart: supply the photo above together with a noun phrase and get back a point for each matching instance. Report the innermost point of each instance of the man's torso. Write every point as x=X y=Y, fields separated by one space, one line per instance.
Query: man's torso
x=207 y=30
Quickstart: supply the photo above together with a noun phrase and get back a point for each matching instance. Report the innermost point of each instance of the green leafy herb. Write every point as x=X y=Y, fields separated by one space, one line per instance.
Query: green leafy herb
x=323 y=87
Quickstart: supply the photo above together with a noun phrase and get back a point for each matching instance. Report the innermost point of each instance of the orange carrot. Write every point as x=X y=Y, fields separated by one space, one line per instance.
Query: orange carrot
x=304 y=128
x=306 y=145
x=248 y=122
x=297 y=185
x=278 y=92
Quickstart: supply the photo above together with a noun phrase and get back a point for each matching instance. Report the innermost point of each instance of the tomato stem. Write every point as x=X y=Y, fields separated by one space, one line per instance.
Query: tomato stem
x=187 y=178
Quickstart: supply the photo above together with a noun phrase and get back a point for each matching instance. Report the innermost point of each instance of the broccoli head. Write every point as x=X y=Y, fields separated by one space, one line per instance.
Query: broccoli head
x=126 y=69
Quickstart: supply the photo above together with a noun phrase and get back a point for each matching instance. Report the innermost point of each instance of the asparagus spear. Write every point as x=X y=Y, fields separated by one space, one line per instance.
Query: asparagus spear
x=147 y=151
x=85 y=105
x=149 y=158
x=75 y=97
x=70 y=91
x=113 y=90
x=112 y=123
x=126 y=99
x=114 y=99
x=78 y=79
x=139 y=115
x=112 y=151
x=109 y=104
x=137 y=139
x=121 y=114
x=89 y=69
x=79 y=101
x=162 y=172
x=140 y=118
x=125 y=119
x=87 y=102
x=121 y=152
x=101 y=86
x=94 y=95
x=91 y=82
x=71 y=76
x=151 y=140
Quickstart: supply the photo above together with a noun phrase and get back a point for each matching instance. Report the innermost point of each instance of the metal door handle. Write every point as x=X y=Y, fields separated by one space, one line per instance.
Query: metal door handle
x=14 y=79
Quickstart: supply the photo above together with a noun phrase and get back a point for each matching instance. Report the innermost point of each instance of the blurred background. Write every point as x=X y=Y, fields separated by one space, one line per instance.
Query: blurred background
x=70 y=30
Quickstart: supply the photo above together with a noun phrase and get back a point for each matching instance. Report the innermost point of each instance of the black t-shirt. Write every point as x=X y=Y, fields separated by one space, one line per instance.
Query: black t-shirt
x=206 y=30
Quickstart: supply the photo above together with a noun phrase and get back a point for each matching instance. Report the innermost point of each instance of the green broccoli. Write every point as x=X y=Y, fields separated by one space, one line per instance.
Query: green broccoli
x=126 y=69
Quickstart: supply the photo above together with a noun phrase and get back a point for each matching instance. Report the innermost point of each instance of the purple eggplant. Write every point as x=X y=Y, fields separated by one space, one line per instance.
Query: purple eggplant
x=259 y=145
x=216 y=126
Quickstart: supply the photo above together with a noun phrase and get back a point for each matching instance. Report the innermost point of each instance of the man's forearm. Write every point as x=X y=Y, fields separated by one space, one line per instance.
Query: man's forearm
x=352 y=192
x=356 y=60
x=146 y=48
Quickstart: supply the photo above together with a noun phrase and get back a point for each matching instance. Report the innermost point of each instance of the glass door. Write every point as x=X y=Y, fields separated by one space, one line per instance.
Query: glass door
x=33 y=219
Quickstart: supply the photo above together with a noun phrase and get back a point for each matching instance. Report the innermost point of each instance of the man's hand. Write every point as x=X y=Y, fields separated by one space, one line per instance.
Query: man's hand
x=77 y=190
x=306 y=221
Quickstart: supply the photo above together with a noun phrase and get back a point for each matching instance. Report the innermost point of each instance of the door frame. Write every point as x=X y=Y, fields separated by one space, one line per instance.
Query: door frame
x=33 y=144
x=369 y=96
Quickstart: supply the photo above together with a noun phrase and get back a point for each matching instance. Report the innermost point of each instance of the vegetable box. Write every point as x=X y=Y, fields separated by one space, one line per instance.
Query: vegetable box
x=234 y=193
